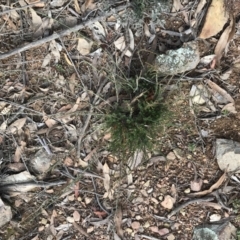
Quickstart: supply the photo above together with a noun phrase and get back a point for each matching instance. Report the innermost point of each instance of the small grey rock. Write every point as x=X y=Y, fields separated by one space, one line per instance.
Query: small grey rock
x=41 y=162
x=228 y=155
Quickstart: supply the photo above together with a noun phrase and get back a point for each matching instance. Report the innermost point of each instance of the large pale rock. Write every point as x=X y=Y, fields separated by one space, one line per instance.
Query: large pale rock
x=228 y=154
x=177 y=61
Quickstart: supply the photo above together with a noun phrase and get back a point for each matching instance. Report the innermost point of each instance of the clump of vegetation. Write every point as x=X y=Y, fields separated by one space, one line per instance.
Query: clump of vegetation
x=136 y=122
x=141 y=6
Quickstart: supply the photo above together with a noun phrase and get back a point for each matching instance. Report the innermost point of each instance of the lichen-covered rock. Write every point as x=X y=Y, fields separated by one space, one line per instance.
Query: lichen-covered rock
x=177 y=61
x=220 y=231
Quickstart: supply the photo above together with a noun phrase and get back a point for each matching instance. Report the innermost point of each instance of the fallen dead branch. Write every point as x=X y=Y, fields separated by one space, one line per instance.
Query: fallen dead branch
x=25 y=187
x=197 y=200
x=213 y=187
x=83 y=130
x=61 y=34
x=21 y=8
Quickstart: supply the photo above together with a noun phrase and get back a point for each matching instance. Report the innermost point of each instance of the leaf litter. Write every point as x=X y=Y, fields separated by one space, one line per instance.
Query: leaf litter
x=65 y=75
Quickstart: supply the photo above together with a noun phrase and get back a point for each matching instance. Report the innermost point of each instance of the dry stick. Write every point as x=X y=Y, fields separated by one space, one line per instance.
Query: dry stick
x=83 y=130
x=20 y=106
x=61 y=34
x=96 y=196
x=20 y=8
x=72 y=63
x=14 y=187
x=197 y=200
x=149 y=237
x=216 y=194
x=85 y=174
x=80 y=229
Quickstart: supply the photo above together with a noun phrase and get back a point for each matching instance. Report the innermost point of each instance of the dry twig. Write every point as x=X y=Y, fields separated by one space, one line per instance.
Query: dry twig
x=197 y=200
x=61 y=34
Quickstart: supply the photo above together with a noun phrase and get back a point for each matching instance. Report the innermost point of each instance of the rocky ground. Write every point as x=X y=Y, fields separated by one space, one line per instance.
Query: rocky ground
x=76 y=76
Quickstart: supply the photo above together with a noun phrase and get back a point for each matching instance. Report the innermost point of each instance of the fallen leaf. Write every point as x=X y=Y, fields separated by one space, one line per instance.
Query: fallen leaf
x=154 y=229
x=174 y=192
x=76 y=216
x=9 y=22
x=177 y=6
x=6 y=110
x=89 y=4
x=215 y=217
x=67 y=60
x=57 y=3
x=52 y=228
x=146 y=30
x=220 y=90
x=216 y=14
x=115 y=236
x=13 y=13
x=42 y=28
x=68 y=162
x=76 y=6
x=213 y=187
x=168 y=202
x=135 y=225
x=213 y=205
x=84 y=46
x=223 y=41
x=118 y=221
x=206 y=60
x=200 y=6
x=76 y=189
x=106 y=181
x=98 y=29
x=82 y=163
x=17 y=125
x=72 y=83
x=35 y=238
x=120 y=44
x=80 y=229
x=65 y=227
x=46 y=60
x=163 y=231
x=100 y=214
x=226 y=75
x=196 y=185
x=16 y=167
x=170 y=237
x=55 y=49
x=230 y=107
x=48 y=121
x=36 y=20
x=67 y=118
x=36 y=3
x=99 y=222
x=19 y=151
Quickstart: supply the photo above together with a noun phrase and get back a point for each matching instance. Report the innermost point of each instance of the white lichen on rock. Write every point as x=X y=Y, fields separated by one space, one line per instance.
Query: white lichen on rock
x=177 y=61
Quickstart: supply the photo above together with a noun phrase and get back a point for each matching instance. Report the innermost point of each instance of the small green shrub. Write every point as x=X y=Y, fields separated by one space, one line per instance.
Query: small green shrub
x=143 y=6
x=135 y=123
